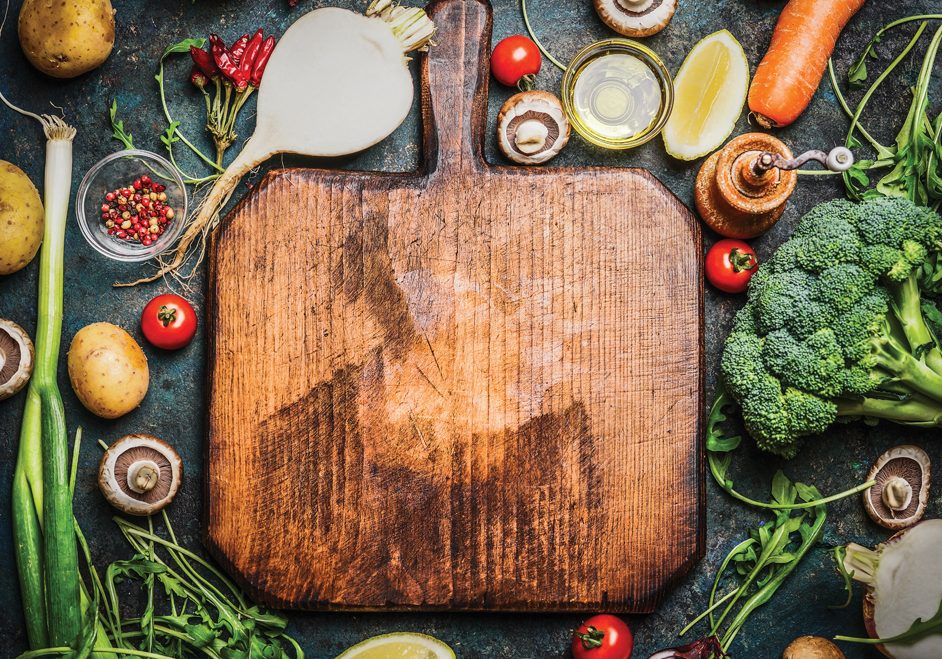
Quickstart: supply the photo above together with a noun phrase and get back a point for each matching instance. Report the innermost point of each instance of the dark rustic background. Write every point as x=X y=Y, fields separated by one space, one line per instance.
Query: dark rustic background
x=174 y=407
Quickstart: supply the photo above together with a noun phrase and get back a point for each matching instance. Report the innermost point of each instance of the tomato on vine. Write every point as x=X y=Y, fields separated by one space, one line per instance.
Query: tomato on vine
x=168 y=322
x=602 y=637
x=730 y=265
x=515 y=62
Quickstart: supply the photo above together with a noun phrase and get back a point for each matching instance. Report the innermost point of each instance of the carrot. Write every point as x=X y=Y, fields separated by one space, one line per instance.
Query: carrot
x=791 y=70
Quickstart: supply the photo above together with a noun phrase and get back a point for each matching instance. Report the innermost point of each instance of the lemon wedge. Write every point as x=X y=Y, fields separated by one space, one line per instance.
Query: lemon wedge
x=400 y=645
x=709 y=94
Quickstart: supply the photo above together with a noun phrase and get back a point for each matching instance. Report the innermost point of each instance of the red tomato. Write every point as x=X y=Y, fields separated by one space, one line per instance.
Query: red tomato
x=602 y=637
x=730 y=265
x=168 y=322
x=514 y=59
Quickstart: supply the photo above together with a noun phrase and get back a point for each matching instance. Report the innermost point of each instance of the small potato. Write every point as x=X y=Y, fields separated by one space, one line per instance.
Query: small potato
x=66 y=38
x=21 y=219
x=108 y=370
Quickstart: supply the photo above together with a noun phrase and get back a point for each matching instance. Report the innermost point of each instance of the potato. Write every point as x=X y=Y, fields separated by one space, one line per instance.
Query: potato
x=108 y=370
x=66 y=38
x=21 y=219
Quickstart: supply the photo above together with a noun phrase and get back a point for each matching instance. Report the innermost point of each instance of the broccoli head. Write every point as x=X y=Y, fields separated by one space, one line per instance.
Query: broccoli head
x=838 y=325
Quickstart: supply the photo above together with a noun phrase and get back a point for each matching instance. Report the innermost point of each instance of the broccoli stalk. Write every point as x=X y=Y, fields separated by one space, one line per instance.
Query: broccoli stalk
x=907 y=307
x=914 y=411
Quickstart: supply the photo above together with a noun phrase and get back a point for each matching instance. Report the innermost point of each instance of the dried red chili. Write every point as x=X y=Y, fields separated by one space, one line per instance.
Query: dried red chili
x=246 y=64
x=261 y=61
x=198 y=78
x=223 y=57
x=204 y=61
x=237 y=49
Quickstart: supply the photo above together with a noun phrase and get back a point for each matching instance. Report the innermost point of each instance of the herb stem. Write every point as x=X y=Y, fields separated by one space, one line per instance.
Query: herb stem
x=539 y=44
x=844 y=105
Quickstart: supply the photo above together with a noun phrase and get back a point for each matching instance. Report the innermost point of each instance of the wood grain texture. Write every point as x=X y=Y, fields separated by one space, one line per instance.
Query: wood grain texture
x=472 y=387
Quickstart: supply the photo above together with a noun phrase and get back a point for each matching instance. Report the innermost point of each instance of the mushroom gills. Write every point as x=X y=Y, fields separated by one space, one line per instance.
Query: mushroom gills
x=532 y=127
x=140 y=474
x=902 y=475
x=16 y=358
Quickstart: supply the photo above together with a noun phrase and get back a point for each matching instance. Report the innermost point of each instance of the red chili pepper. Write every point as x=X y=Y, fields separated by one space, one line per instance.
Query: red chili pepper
x=223 y=58
x=204 y=61
x=198 y=78
x=261 y=61
x=237 y=49
x=246 y=64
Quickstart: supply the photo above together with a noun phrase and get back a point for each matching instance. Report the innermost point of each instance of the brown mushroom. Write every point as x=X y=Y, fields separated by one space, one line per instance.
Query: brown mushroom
x=636 y=18
x=898 y=500
x=532 y=127
x=140 y=474
x=812 y=647
x=16 y=358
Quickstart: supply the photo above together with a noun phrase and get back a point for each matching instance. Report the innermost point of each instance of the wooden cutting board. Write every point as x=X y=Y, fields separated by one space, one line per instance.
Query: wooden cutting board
x=472 y=387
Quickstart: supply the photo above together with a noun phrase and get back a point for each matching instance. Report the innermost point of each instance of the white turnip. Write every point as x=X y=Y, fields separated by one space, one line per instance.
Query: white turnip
x=904 y=584
x=337 y=83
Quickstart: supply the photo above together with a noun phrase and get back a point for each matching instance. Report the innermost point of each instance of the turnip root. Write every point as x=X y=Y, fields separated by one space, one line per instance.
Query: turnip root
x=337 y=83
x=904 y=583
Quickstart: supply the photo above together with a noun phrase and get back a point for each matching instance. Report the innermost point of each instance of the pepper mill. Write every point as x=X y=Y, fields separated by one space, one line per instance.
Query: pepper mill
x=741 y=190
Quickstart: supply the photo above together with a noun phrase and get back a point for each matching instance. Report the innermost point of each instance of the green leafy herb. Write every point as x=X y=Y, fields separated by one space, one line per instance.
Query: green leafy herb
x=764 y=560
x=911 y=167
x=173 y=134
x=117 y=127
x=720 y=447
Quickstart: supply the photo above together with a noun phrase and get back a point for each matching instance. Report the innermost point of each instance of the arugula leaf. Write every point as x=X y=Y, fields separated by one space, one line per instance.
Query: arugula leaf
x=117 y=127
x=182 y=47
x=857 y=74
x=720 y=448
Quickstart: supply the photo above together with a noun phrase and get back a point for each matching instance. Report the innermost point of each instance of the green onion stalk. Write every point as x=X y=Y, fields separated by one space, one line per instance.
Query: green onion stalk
x=43 y=525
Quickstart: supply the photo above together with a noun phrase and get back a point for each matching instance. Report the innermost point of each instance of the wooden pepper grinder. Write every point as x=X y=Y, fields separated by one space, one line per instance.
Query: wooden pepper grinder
x=741 y=190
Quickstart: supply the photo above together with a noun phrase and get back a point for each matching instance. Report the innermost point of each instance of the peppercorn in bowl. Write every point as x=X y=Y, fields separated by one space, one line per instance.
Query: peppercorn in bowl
x=131 y=205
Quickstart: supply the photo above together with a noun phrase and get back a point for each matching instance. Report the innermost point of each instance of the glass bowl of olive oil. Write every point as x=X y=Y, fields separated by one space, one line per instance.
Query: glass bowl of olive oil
x=617 y=93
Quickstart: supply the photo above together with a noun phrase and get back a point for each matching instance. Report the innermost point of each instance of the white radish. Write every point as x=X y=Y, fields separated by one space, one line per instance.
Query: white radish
x=337 y=83
x=904 y=580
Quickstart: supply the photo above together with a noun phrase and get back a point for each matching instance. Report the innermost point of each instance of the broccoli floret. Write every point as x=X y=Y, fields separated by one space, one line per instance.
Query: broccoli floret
x=842 y=286
x=835 y=325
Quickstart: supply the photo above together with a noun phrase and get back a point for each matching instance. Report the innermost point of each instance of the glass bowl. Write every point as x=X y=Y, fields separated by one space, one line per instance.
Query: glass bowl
x=119 y=170
x=621 y=91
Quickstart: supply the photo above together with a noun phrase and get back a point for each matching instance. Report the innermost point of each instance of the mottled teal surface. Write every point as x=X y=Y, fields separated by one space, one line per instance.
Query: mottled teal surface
x=174 y=408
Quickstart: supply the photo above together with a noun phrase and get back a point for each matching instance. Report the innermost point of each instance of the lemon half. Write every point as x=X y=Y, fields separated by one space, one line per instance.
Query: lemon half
x=400 y=645
x=709 y=93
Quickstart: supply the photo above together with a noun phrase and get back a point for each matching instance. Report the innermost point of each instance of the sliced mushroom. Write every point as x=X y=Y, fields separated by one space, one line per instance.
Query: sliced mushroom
x=636 y=18
x=16 y=358
x=140 y=474
x=898 y=500
x=532 y=127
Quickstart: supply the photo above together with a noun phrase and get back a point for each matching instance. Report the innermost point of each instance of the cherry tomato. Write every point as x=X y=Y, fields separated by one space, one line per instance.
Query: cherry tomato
x=730 y=265
x=602 y=637
x=168 y=322
x=516 y=59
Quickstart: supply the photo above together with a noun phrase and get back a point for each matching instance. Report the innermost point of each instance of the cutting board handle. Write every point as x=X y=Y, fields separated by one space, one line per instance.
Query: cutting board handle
x=454 y=86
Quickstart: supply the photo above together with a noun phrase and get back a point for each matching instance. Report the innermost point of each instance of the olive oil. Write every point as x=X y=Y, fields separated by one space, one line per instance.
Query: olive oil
x=617 y=96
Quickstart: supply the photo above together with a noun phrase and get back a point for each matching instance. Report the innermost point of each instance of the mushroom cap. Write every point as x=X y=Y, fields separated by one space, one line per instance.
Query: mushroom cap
x=812 y=647
x=16 y=358
x=529 y=106
x=911 y=464
x=118 y=468
x=636 y=18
